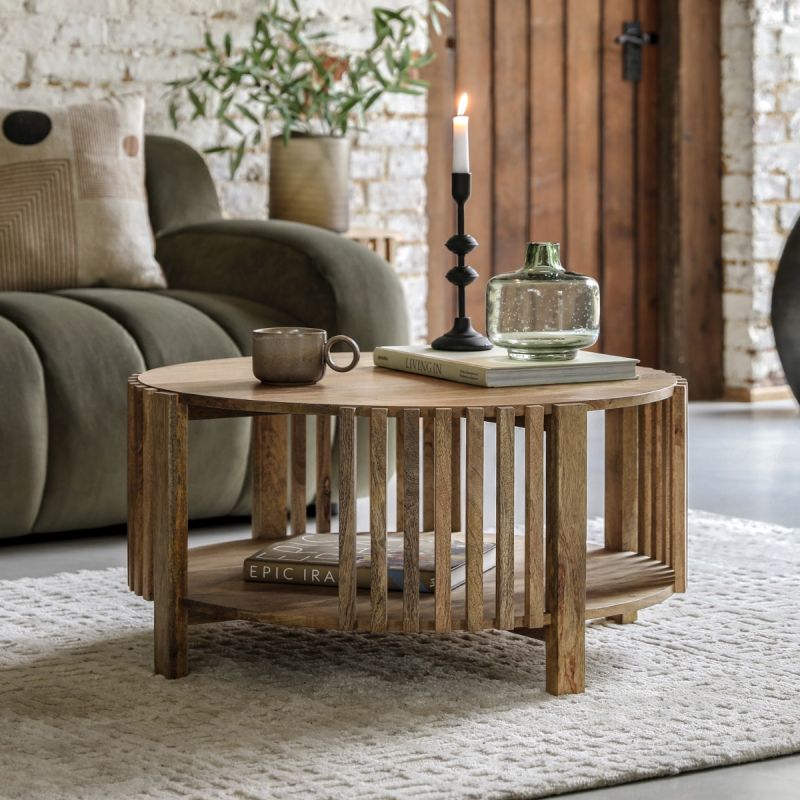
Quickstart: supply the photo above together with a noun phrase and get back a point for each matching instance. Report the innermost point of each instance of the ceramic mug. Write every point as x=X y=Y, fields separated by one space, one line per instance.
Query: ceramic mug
x=296 y=356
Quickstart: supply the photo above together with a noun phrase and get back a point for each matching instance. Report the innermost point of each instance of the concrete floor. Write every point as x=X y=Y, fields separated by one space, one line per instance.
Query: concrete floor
x=743 y=461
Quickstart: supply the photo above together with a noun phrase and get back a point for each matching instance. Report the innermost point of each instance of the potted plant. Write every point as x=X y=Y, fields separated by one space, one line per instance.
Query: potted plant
x=295 y=75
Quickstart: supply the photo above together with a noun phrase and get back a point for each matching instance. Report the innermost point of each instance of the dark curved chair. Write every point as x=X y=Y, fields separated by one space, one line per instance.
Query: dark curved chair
x=65 y=356
x=786 y=310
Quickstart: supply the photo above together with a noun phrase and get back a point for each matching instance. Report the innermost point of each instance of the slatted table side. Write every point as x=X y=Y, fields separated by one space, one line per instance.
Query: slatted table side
x=297 y=486
x=678 y=517
x=411 y=519
x=534 y=517
x=378 y=432
x=322 y=498
x=348 y=578
x=474 y=537
x=134 y=485
x=270 y=464
x=443 y=526
x=504 y=568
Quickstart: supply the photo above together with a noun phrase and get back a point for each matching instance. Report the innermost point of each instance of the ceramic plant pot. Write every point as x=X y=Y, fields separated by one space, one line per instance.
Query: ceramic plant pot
x=309 y=180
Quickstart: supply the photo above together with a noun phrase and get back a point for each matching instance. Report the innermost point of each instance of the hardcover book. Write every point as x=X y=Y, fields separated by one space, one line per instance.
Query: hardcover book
x=493 y=368
x=313 y=559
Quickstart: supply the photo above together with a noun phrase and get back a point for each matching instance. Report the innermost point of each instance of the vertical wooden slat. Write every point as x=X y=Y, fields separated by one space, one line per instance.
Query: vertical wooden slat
x=411 y=520
x=322 y=501
x=617 y=196
x=474 y=539
x=298 y=482
x=400 y=472
x=646 y=189
x=566 y=549
x=427 y=474
x=440 y=73
x=547 y=109
x=377 y=517
x=622 y=478
x=135 y=481
x=582 y=130
x=678 y=516
x=169 y=461
x=443 y=440
x=646 y=480
x=150 y=451
x=658 y=481
x=269 y=454
x=347 y=519
x=504 y=569
x=534 y=517
x=455 y=472
x=510 y=117
x=474 y=75
x=666 y=479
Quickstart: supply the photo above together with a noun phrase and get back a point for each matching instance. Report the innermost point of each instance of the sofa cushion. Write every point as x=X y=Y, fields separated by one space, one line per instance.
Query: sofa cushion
x=73 y=209
x=67 y=357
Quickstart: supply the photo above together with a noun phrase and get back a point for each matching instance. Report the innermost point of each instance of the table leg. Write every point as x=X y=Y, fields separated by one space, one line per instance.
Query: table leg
x=166 y=460
x=566 y=549
x=270 y=469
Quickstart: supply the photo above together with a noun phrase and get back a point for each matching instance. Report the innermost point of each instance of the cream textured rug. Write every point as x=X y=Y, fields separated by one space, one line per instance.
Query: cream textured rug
x=706 y=679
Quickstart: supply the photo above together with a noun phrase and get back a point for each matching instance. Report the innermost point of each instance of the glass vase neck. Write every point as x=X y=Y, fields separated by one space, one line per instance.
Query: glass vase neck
x=543 y=256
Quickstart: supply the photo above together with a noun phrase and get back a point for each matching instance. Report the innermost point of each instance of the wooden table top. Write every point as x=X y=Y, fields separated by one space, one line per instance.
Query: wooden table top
x=229 y=384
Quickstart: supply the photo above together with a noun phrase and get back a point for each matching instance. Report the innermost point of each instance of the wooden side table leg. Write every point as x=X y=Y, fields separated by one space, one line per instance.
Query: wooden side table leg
x=167 y=476
x=135 y=479
x=566 y=549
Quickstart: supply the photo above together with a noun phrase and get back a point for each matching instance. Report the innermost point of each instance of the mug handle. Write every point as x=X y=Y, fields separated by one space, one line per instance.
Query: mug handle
x=351 y=344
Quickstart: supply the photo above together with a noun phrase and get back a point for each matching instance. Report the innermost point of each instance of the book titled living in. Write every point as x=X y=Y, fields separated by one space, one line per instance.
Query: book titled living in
x=313 y=559
x=494 y=369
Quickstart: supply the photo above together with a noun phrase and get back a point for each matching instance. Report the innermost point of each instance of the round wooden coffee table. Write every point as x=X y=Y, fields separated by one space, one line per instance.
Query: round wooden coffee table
x=545 y=582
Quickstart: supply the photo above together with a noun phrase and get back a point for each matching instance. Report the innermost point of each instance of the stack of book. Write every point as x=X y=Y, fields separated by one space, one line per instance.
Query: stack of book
x=313 y=559
x=494 y=369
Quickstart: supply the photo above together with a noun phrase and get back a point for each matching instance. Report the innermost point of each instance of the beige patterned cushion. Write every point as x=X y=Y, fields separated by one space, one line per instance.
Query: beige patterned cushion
x=73 y=208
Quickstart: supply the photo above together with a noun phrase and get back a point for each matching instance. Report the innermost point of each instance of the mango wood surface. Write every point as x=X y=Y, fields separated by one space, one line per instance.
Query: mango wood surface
x=377 y=516
x=347 y=519
x=229 y=384
x=616 y=583
x=269 y=457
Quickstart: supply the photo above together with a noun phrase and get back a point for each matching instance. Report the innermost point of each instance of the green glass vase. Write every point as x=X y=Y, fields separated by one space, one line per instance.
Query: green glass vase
x=542 y=311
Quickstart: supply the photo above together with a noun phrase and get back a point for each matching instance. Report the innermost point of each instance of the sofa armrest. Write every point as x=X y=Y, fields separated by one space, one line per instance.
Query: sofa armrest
x=317 y=277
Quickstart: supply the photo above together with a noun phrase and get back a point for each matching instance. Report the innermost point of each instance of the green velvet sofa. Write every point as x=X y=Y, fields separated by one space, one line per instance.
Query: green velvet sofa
x=65 y=356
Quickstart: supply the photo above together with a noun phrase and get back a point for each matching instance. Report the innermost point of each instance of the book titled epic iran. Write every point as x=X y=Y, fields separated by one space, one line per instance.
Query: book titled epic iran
x=494 y=369
x=313 y=559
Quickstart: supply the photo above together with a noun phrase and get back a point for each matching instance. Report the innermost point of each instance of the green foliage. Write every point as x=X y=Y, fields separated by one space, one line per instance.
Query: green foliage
x=290 y=73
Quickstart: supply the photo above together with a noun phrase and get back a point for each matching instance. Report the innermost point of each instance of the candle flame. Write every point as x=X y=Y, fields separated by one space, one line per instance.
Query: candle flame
x=462 y=104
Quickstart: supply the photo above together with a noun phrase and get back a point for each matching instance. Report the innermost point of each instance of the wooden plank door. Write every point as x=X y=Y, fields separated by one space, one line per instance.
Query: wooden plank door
x=562 y=149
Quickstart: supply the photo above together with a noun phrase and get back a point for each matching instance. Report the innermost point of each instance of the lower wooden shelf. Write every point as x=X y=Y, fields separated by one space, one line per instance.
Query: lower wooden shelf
x=617 y=583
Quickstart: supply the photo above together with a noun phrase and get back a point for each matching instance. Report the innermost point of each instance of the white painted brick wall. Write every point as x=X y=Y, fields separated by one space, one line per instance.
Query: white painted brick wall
x=54 y=52
x=761 y=174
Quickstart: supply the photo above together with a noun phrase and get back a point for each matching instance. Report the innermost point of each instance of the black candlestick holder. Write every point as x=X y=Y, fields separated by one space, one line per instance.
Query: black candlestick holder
x=462 y=336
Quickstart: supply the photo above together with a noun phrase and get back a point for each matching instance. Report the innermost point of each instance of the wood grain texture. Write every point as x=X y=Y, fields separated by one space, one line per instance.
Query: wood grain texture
x=400 y=473
x=443 y=527
x=347 y=519
x=511 y=174
x=547 y=113
x=168 y=420
x=647 y=188
x=534 y=517
x=617 y=583
x=411 y=520
x=474 y=75
x=566 y=549
x=323 y=494
x=297 y=490
x=679 y=485
x=622 y=479
x=377 y=517
x=135 y=481
x=455 y=473
x=657 y=467
x=666 y=480
x=582 y=129
x=691 y=204
x=150 y=453
x=617 y=195
x=504 y=460
x=646 y=480
x=228 y=384
x=269 y=454
x=427 y=474
x=474 y=539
